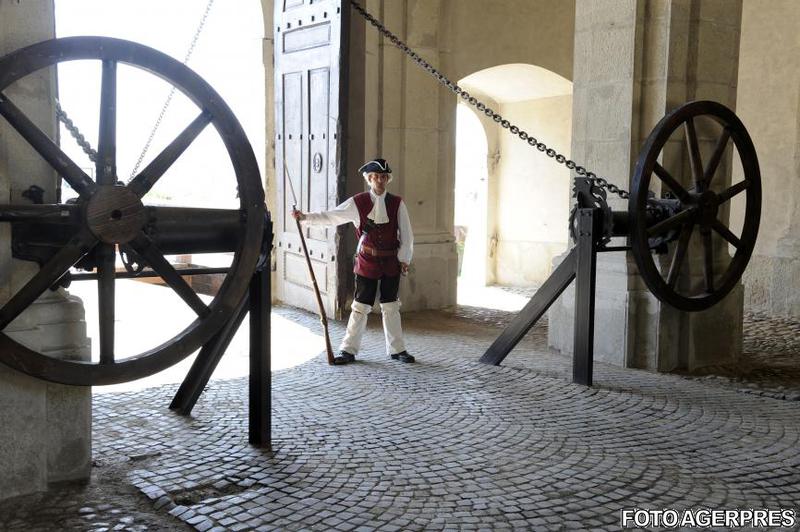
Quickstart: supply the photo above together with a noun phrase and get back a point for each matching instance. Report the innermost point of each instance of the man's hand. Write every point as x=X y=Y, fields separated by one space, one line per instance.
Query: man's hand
x=298 y=215
x=404 y=268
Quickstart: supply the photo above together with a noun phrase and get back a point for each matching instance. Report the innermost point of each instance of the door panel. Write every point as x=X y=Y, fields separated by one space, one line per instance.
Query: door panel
x=319 y=183
x=310 y=107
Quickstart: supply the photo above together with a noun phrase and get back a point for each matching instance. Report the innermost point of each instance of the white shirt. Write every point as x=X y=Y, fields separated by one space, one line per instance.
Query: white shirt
x=347 y=212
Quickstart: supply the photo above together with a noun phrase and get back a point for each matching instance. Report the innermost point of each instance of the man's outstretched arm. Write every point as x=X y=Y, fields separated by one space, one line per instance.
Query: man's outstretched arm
x=346 y=212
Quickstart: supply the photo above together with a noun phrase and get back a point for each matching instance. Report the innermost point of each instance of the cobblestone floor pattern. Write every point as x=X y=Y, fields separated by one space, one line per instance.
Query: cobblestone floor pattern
x=446 y=443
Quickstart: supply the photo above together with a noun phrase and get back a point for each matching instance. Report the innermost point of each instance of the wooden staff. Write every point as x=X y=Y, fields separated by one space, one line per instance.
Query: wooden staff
x=322 y=316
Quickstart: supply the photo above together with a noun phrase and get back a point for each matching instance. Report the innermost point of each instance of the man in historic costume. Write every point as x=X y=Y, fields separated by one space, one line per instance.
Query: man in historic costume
x=385 y=246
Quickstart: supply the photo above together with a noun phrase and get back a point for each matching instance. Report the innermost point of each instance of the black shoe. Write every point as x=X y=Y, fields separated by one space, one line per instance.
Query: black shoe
x=403 y=356
x=343 y=358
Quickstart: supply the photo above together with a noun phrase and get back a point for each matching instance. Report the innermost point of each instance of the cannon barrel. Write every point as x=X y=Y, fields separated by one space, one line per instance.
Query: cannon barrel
x=181 y=230
x=39 y=231
x=658 y=211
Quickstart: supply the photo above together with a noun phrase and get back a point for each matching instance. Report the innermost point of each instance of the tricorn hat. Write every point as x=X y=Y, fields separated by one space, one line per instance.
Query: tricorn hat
x=376 y=165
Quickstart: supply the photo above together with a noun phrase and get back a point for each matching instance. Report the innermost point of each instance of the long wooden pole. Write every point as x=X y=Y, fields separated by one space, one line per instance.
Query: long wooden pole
x=322 y=316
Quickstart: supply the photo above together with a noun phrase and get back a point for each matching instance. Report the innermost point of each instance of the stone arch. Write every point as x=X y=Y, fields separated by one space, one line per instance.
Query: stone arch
x=526 y=197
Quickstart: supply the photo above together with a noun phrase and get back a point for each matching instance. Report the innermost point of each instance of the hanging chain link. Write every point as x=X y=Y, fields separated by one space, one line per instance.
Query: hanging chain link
x=75 y=132
x=488 y=111
x=171 y=92
x=84 y=144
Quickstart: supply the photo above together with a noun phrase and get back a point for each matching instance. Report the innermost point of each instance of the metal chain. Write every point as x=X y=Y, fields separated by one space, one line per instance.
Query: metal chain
x=488 y=111
x=171 y=92
x=75 y=132
x=84 y=144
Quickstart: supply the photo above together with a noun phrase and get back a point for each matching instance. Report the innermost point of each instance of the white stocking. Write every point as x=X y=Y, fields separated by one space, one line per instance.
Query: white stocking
x=392 y=328
x=355 y=327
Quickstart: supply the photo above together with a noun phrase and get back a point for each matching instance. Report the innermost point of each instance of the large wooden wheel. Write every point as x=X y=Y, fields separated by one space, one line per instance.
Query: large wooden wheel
x=108 y=214
x=700 y=205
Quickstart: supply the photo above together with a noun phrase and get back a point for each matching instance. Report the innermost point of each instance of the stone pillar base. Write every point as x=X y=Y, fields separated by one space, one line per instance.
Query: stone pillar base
x=766 y=280
x=633 y=329
x=45 y=428
x=612 y=308
x=432 y=282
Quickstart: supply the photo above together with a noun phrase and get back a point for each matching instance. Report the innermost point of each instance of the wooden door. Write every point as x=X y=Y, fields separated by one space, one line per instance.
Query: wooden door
x=310 y=89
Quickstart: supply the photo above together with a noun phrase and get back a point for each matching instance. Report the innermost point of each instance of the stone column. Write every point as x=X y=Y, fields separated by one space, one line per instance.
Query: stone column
x=635 y=60
x=769 y=105
x=45 y=429
x=408 y=121
x=270 y=178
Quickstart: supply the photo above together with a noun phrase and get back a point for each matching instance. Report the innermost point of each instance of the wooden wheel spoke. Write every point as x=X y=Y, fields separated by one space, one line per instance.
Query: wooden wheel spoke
x=732 y=191
x=680 y=254
x=45 y=147
x=47 y=276
x=106 y=300
x=716 y=157
x=695 y=160
x=671 y=182
x=153 y=256
x=671 y=223
x=107 y=143
x=148 y=177
x=708 y=261
x=725 y=233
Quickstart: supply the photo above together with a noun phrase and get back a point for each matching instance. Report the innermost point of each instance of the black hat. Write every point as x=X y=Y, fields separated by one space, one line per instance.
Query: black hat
x=376 y=165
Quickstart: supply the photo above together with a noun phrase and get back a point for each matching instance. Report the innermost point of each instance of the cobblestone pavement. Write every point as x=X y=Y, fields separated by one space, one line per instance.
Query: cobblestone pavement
x=446 y=443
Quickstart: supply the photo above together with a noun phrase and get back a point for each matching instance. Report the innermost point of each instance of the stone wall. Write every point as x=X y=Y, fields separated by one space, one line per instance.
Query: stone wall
x=769 y=106
x=45 y=429
x=533 y=200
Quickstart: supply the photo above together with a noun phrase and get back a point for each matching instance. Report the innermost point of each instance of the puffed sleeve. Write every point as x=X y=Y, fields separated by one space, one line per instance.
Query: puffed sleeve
x=347 y=212
x=406 y=250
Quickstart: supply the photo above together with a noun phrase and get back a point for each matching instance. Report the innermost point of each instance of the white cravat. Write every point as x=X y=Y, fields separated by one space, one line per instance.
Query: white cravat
x=378 y=212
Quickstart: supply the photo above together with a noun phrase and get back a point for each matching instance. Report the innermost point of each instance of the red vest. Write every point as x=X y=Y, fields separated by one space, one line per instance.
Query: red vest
x=378 y=255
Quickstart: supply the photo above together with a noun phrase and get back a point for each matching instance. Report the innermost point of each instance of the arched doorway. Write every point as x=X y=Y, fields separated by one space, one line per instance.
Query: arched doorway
x=471 y=197
x=512 y=201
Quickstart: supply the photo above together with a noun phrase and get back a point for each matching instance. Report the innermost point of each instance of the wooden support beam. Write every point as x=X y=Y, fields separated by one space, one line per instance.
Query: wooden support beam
x=530 y=314
x=589 y=233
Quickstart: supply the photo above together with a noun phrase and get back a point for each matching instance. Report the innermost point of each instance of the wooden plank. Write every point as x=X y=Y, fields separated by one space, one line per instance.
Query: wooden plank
x=589 y=232
x=260 y=411
x=206 y=362
x=530 y=314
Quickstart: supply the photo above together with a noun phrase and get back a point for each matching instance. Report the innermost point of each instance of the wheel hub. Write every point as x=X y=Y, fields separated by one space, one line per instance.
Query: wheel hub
x=708 y=202
x=114 y=214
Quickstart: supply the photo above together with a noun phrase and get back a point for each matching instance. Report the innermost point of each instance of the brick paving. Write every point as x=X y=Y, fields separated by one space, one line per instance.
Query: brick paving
x=446 y=443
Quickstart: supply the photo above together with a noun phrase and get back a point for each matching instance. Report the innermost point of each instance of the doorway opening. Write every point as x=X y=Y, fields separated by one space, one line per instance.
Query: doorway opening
x=511 y=201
